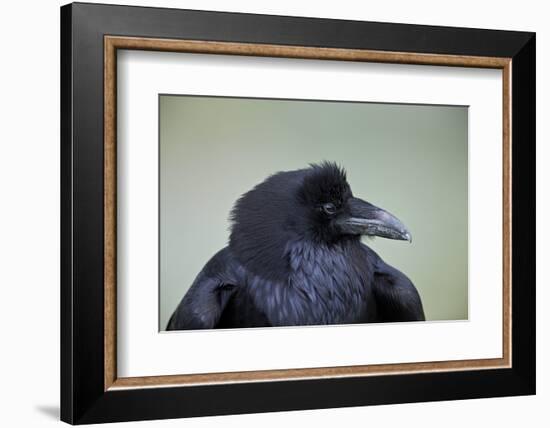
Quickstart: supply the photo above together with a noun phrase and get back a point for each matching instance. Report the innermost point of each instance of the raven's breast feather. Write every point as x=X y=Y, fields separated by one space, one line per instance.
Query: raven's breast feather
x=325 y=285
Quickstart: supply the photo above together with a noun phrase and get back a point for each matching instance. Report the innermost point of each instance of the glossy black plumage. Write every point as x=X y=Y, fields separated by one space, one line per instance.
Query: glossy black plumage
x=295 y=257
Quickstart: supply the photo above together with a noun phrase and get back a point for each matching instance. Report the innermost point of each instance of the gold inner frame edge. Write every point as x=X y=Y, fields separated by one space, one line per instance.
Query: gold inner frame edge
x=113 y=43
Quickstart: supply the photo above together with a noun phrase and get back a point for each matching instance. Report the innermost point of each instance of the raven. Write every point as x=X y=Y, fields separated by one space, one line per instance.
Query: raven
x=295 y=257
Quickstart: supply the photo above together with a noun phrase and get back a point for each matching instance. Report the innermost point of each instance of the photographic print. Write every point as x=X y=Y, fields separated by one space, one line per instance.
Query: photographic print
x=285 y=212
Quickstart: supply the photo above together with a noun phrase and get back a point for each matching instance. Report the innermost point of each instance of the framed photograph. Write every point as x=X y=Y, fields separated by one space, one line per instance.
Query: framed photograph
x=265 y=213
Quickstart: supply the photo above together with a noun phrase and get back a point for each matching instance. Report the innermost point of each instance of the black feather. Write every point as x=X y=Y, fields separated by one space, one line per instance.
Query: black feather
x=287 y=263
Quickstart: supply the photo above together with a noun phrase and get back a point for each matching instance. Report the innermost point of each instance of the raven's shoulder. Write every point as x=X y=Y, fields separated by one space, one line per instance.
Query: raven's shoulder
x=224 y=266
x=397 y=299
x=206 y=299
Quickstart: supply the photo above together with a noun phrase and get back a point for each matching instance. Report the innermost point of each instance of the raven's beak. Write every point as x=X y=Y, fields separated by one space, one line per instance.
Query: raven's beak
x=367 y=219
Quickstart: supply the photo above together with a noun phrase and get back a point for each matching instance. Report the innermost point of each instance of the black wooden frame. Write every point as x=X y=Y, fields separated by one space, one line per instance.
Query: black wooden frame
x=83 y=399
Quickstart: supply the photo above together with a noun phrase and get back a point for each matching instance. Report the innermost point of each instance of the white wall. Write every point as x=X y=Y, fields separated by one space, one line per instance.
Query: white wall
x=29 y=231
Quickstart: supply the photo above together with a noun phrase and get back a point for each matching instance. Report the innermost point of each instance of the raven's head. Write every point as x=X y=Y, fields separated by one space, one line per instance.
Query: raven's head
x=334 y=213
x=314 y=204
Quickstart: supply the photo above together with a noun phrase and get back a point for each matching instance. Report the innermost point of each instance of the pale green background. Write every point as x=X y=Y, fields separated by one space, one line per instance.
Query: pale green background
x=411 y=160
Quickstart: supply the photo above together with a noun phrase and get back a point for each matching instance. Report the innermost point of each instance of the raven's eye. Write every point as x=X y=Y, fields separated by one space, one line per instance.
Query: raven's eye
x=329 y=208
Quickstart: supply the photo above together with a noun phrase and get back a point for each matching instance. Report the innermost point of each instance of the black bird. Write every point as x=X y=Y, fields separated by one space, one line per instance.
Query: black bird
x=295 y=257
